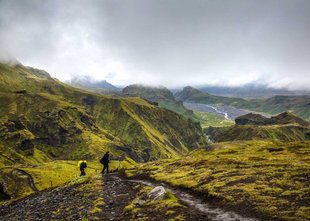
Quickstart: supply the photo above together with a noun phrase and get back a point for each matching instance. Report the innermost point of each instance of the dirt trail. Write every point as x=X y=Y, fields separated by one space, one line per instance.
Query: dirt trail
x=102 y=198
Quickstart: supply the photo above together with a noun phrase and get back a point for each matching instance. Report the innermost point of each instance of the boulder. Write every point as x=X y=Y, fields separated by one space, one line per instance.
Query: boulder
x=158 y=193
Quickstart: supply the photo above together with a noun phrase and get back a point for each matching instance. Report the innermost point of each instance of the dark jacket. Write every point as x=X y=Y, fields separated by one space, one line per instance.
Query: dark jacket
x=105 y=159
x=83 y=165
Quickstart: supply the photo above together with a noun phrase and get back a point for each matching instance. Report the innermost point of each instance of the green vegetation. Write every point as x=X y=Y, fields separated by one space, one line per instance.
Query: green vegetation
x=283 y=127
x=164 y=98
x=51 y=174
x=161 y=96
x=270 y=178
x=42 y=119
x=299 y=105
x=193 y=95
x=249 y=132
x=209 y=119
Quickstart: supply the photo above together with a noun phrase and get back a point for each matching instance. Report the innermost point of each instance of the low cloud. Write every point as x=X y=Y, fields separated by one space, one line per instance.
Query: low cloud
x=173 y=43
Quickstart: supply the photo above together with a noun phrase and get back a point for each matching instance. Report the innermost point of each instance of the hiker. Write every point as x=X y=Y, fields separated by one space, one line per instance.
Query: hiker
x=82 y=164
x=105 y=161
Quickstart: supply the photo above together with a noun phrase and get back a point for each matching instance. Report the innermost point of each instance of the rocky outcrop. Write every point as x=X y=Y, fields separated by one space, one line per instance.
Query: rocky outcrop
x=283 y=118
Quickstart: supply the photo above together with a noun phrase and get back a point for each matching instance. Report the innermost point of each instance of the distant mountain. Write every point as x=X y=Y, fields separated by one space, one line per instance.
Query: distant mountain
x=42 y=119
x=299 y=105
x=99 y=87
x=192 y=95
x=281 y=119
x=160 y=95
x=91 y=83
x=285 y=127
x=252 y=90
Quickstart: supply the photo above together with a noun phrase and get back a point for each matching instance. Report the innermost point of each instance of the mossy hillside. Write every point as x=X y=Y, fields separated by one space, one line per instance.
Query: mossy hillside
x=15 y=183
x=57 y=128
x=58 y=172
x=51 y=174
x=284 y=133
x=299 y=105
x=283 y=127
x=157 y=127
x=192 y=95
x=67 y=122
x=162 y=96
x=269 y=178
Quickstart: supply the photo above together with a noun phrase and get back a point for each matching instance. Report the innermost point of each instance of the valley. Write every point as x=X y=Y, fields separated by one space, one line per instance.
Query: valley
x=225 y=111
x=216 y=161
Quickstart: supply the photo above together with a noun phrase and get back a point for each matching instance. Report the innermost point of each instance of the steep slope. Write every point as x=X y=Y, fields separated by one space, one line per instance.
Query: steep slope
x=283 y=127
x=160 y=95
x=192 y=95
x=42 y=118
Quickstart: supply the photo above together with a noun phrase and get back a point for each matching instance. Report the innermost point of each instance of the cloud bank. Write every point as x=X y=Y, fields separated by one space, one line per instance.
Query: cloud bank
x=172 y=43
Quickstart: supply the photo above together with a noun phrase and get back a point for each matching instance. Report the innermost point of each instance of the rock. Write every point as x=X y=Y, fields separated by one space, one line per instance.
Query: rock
x=139 y=202
x=139 y=215
x=158 y=193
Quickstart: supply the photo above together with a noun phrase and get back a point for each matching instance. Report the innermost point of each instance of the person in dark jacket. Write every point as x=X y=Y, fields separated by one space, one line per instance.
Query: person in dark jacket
x=105 y=161
x=83 y=166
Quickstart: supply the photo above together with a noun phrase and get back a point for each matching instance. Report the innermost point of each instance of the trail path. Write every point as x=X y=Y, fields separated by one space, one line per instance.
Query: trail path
x=104 y=198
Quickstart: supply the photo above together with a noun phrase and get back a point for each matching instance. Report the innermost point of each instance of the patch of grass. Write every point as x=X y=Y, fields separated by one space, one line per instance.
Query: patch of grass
x=209 y=119
x=273 y=183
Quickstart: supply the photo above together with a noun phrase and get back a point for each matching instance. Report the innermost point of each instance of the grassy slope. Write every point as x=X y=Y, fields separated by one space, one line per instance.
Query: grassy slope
x=209 y=119
x=285 y=127
x=193 y=95
x=271 y=179
x=271 y=132
x=69 y=123
x=299 y=105
x=162 y=96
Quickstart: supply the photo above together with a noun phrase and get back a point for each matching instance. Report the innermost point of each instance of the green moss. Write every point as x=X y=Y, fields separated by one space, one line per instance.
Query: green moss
x=243 y=172
x=95 y=210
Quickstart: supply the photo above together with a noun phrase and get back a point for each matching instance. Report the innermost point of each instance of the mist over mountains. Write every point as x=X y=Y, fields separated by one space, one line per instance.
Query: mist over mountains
x=250 y=90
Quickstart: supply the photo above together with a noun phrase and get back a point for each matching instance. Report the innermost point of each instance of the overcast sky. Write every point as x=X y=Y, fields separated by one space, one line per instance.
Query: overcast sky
x=162 y=42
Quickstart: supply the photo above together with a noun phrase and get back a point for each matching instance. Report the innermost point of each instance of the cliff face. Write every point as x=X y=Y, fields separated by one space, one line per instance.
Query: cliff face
x=42 y=118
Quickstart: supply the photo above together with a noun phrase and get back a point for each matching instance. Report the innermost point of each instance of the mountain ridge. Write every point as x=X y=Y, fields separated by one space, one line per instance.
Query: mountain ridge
x=43 y=118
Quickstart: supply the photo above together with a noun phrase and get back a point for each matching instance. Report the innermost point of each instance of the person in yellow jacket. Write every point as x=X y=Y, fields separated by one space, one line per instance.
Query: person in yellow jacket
x=83 y=165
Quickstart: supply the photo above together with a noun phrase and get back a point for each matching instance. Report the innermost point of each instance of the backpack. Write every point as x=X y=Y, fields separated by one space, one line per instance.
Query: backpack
x=83 y=165
x=104 y=159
